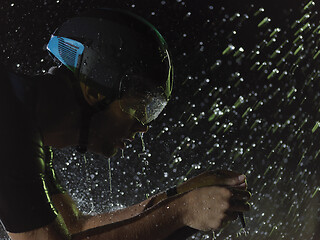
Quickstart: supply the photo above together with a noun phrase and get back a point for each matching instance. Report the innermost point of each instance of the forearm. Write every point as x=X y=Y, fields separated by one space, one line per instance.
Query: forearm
x=78 y=222
x=122 y=214
x=157 y=222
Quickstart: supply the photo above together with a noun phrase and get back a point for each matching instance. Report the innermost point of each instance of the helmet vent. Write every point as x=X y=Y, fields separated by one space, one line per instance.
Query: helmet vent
x=68 y=52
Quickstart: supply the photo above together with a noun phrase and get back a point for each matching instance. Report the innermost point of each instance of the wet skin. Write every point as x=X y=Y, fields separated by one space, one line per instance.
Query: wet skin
x=111 y=128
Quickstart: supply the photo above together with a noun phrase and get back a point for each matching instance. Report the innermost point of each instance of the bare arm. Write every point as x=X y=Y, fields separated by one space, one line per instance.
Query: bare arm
x=155 y=223
x=123 y=214
x=203 y=208
x=206 y=208
x=76 y=222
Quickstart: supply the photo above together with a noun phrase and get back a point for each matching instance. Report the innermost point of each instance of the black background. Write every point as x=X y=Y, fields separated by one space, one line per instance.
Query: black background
x=276 y=143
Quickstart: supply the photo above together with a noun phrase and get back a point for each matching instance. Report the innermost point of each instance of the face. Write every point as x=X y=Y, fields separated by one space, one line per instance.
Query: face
x=111 y=129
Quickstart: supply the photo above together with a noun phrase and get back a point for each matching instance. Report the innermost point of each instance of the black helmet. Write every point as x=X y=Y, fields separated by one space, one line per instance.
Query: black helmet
x=116 y=53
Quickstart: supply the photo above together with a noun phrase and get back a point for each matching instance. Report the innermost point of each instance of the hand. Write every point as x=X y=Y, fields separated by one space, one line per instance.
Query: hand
x=214 y=178
x=210 y=208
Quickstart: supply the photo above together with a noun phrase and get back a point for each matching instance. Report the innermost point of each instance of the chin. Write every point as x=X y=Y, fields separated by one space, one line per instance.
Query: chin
x=115 y=151
x=109 y=152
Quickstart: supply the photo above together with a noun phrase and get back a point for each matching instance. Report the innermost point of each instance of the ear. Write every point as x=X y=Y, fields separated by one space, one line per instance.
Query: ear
x=91 y=96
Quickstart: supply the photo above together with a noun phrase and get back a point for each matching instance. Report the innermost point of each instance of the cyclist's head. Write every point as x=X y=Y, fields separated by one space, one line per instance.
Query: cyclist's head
x=115 y=54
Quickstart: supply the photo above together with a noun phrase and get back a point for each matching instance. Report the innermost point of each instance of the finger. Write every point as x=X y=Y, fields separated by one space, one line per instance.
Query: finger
x=215 y=179
x=218 y=178
x=230 y=216
x=241 y=195
x=225 y=223
x=226 y=173
x=234 y=181
x=242 y=186
x=239 y=206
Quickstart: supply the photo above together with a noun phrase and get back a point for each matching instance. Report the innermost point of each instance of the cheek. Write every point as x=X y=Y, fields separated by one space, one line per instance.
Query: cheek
x=108 y=127
x=105 y=129
x=116 y=126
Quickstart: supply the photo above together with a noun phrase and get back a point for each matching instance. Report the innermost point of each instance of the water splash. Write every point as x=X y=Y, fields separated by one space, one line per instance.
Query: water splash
x=110 y=175
x=143 y=153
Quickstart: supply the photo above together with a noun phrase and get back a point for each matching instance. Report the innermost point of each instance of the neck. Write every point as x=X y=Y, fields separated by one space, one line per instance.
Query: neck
x=58 y=113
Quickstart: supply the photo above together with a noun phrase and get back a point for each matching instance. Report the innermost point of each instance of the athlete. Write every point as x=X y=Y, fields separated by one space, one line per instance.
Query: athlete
x=115 y=76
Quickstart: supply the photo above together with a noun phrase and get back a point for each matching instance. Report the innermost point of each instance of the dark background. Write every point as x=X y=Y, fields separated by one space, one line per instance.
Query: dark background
x=255 y=111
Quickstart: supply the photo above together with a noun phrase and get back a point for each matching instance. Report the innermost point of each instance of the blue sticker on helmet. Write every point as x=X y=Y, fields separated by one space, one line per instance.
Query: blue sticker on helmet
x=66 y=50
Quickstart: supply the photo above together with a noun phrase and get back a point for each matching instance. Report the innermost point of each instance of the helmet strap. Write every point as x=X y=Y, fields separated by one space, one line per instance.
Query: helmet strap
x=86 y=116
x=87 y=111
